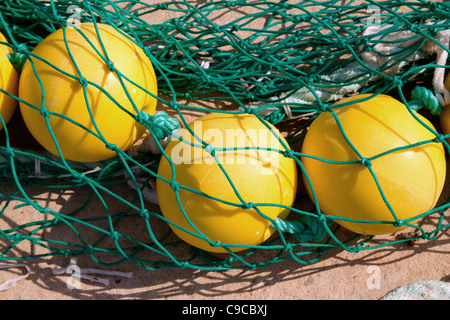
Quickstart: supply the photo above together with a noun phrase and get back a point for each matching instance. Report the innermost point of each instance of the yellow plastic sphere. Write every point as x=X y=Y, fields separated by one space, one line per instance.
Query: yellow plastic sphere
x=411 y=179
x=9 y=80
x=259 y=176
x=444 y=116
x=65 y=96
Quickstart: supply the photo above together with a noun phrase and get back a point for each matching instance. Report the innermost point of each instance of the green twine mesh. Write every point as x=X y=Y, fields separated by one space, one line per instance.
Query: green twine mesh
x=279 y=60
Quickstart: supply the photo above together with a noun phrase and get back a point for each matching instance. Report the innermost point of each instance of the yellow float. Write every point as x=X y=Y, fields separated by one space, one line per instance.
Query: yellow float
x=9 y=79
x=85 y=99
x=213 y=209
x=411 y=179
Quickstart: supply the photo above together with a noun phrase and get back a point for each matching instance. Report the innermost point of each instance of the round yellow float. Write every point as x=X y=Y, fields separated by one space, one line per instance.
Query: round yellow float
x=411 y=179
x=9 y=79
x=79 y=118
x=444 y=116
x=212 y=207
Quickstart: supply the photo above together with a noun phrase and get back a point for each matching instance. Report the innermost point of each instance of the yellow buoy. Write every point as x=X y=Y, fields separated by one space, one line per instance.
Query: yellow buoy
x=214 y=207
x=411 y=179
x=9 y=80
x=444 y=116
x=80 y=118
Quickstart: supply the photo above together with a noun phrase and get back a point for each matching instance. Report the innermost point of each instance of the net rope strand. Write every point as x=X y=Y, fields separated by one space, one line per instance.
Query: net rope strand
x=281 y=61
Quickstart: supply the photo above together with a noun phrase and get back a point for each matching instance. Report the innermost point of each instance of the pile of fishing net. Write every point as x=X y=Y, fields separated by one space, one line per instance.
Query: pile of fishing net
x=268 y=65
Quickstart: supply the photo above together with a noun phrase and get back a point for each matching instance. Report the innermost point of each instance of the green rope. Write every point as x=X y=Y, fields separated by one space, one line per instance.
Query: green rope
x=423 y=98
x=161 y=124
x=305 y=228
x=281 y=61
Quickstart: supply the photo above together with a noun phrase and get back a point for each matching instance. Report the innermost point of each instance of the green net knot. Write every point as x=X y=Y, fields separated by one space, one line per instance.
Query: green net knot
x=18 y=57
x=423 y=98
x=276 y=116
x=161 y=124
x=305 y=228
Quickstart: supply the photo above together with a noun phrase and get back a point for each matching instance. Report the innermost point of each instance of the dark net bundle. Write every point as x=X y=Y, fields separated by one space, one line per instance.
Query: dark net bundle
x=283 y=61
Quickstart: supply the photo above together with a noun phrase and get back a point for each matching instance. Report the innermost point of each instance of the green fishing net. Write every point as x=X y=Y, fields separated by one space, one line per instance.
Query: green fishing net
x=282 y=61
